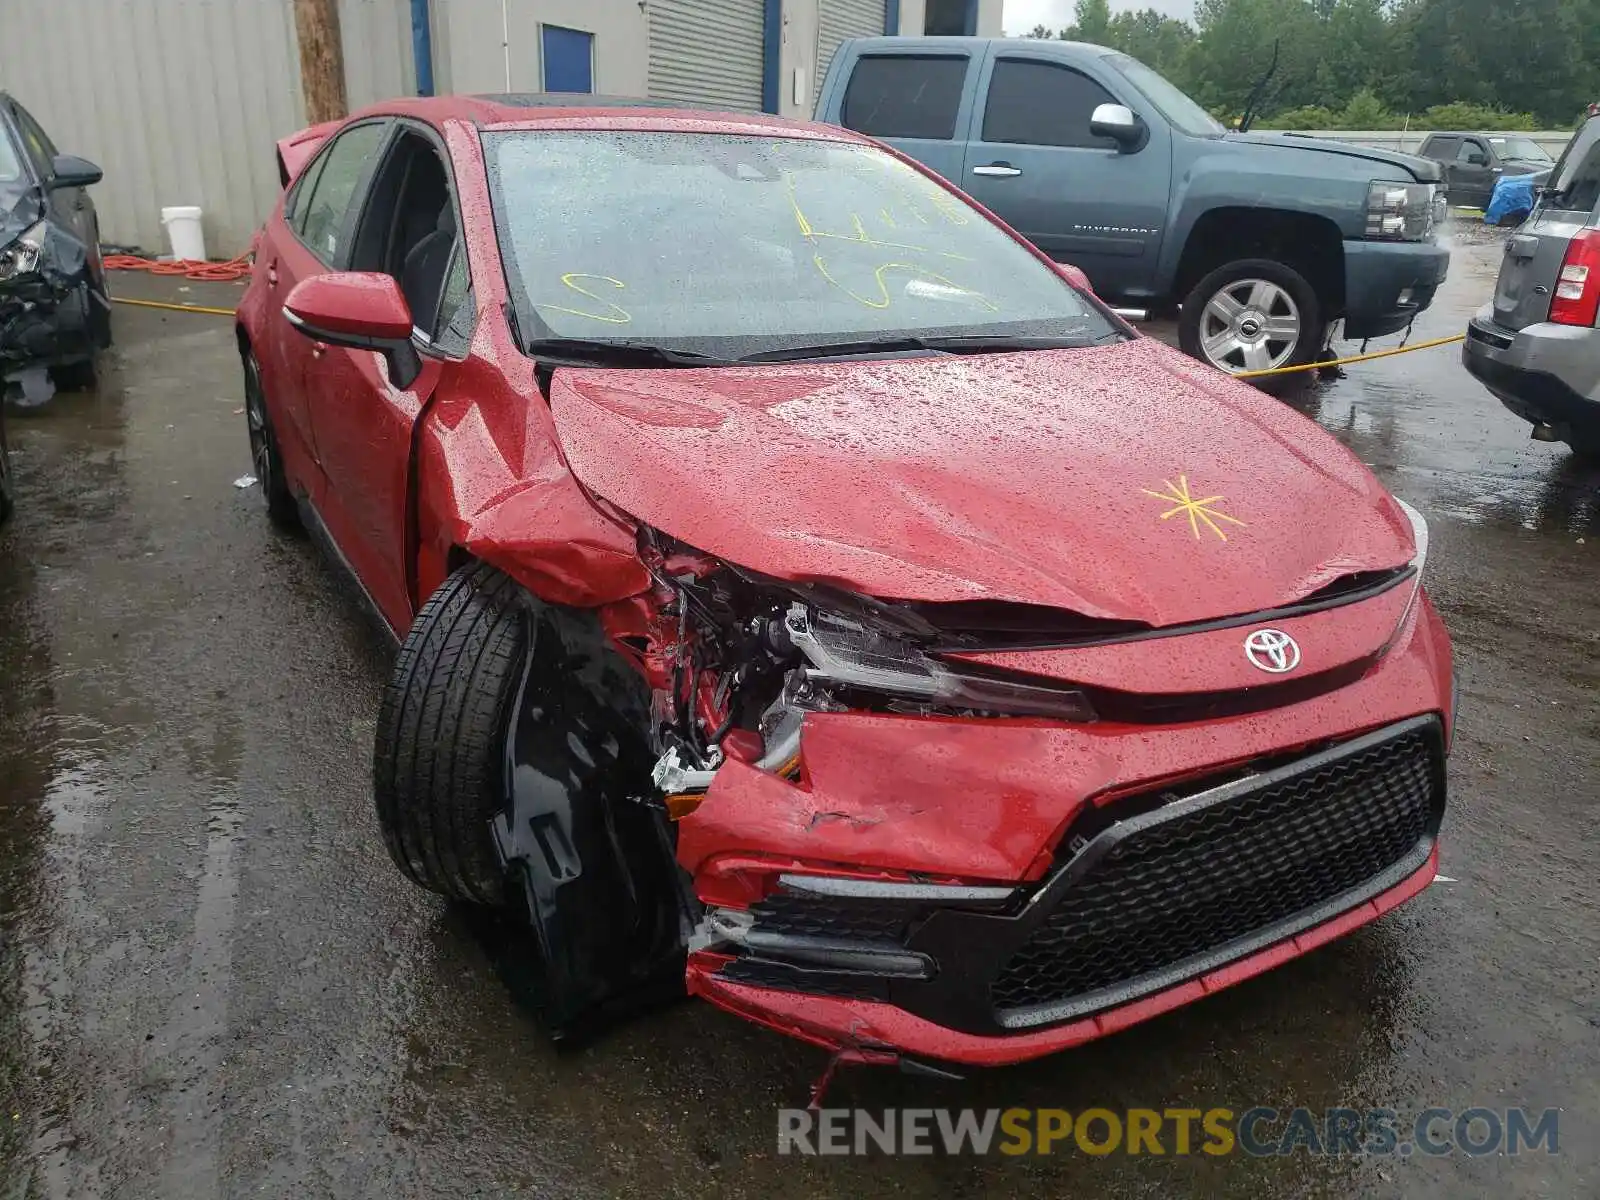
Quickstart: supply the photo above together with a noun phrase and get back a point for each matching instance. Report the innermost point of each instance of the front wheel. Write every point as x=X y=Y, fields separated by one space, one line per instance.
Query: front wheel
x=265 y=457
x=1252 y=315
x=6 y=502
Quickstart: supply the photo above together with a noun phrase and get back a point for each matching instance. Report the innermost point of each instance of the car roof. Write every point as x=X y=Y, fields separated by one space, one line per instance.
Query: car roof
x=582 y=111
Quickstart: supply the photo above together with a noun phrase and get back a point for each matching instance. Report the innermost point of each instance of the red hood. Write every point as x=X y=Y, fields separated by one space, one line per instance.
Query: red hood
x=1038 y=477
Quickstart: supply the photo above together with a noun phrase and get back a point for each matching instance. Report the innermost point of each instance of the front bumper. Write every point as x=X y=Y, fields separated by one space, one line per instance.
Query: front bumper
x=1386 y=284
x=46 y=330
x=1544 y=373
x=1091 y=899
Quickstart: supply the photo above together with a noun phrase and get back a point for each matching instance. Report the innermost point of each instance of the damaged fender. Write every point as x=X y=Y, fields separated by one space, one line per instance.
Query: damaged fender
x=581 y=843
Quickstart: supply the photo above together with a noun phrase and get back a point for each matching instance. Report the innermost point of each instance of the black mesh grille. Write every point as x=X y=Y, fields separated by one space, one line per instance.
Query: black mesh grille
x=803 y=915
x=1183 y=888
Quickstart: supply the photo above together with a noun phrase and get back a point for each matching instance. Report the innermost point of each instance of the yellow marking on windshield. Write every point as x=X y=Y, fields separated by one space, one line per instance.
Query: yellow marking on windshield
x=617 y=316
x=1199 y=509
x=884 y=300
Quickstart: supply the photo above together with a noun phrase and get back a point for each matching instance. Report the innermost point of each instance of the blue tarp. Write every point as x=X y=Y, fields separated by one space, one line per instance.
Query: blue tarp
x=1512 y=194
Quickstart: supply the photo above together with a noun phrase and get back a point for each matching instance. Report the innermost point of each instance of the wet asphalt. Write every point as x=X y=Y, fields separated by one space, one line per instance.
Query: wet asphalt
x=214 y=984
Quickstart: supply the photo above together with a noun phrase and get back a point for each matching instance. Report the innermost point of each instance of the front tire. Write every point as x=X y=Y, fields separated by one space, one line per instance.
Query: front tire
x=1252 y=315
x=265 y=457
x=6 y=501
x=439 y=761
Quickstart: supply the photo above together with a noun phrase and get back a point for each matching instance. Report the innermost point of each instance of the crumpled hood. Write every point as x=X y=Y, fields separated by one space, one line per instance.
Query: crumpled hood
x=1125 y=482
x=20 y=208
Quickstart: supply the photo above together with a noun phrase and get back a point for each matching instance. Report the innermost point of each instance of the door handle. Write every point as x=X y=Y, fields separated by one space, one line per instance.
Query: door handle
x=998 y=170
x=272 y=274
x=318 y=349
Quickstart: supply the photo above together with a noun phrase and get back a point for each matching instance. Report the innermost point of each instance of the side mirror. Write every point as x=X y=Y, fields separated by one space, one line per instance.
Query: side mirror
x=363 y=310
x=1075 y=277
x=1477 y=158
x=1119 y=123
x=70 y=171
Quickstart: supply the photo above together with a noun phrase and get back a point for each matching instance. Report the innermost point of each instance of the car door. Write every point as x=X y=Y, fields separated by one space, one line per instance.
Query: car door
x=363 y=423
x=1077 y=197
x=921 y=104
x=311 y=239
x=1473 y=173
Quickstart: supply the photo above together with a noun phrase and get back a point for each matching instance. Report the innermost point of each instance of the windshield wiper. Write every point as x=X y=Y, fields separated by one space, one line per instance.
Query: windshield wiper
x=956 y=344
x=594 y=352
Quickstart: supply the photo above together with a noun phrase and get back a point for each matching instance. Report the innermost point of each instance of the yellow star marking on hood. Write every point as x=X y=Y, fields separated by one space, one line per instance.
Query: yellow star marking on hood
x=1200 y=510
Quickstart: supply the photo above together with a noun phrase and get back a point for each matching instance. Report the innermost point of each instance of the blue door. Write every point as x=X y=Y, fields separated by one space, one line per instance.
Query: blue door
x=568 y=59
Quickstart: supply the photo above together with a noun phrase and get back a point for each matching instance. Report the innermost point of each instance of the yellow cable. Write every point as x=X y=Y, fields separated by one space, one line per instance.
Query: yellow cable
x=1315 y=366
x=1340 y=362
x=190 y=308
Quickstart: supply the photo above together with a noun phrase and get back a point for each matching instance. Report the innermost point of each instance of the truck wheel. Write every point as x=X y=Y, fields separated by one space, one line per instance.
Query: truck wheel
x=1252 y=315
x=439 y=761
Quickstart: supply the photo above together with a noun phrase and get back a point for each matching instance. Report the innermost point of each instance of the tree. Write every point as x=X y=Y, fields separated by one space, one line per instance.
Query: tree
x=1039 y=31
x=1156 y=40
x=1091 y=22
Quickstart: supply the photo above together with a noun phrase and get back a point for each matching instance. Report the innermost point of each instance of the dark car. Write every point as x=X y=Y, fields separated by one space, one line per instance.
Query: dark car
x=54 y=309
x=1473 y=162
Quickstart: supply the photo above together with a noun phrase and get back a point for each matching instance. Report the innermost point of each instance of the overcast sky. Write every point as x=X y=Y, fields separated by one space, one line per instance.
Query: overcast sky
x=1023 y=15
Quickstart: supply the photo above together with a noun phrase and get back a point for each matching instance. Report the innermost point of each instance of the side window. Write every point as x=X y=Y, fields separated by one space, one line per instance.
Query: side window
x=1441 y=148
x=905 y=96
x=294 y=207
x=324 y=223
x=1041 y=104
x=453 y=331
x=37 y=142
x=1472 y=152
x=1575 y=182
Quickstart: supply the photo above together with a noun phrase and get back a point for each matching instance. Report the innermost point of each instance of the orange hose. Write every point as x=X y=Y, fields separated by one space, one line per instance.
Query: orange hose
x=188 y=268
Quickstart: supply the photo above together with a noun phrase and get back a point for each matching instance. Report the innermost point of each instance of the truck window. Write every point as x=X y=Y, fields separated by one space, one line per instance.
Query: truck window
x=1575 y=182
x=905 y=96
x=1470 y=147
x=1441 y=148
x=1042 y=104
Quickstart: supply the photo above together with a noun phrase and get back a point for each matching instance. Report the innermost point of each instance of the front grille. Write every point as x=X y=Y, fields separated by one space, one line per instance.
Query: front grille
x=800 y=915
x=1174 y=890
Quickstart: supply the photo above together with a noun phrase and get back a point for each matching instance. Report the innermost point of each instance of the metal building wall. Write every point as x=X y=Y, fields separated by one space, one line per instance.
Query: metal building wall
x=180 y=101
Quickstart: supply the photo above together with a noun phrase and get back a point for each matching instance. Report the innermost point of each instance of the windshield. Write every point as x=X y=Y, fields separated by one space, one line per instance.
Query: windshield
x=734 y=246
x=10 y=164
x=1523 y=148
x=1174 y=104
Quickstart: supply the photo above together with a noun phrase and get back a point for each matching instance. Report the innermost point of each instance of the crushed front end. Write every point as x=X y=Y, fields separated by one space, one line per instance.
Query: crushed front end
x=983 y=832
x=45 y=307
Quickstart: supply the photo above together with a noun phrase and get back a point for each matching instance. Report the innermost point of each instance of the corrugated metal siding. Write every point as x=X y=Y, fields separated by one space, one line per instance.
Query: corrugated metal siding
x=707 y=52
x=378 y=63
x=180 y=101
x=841 y=19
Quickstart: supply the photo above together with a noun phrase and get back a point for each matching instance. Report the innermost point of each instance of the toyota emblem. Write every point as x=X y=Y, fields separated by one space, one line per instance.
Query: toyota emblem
x=1272 y=650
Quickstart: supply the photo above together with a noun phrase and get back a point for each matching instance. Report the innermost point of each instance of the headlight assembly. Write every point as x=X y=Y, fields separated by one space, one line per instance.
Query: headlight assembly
x=21 y=257
x=846 y=652
x=1400 y=212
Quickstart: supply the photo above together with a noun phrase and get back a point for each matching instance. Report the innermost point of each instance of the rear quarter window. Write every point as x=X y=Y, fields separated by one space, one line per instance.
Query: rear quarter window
x=1575 y=181
x=905 y=96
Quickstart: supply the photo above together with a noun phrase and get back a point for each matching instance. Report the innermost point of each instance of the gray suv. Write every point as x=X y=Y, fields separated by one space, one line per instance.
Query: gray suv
x=1536 y=345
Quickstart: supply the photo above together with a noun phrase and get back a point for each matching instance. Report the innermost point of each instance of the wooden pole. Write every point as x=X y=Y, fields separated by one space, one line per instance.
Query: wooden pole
x=316 y=24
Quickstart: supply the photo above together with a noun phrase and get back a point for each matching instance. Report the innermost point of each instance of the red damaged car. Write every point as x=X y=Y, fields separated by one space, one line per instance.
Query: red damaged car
x=814 y=598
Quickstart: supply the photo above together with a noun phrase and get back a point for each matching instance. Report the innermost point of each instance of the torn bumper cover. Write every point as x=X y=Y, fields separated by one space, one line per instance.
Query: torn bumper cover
x=44 y=303
x=987 y=892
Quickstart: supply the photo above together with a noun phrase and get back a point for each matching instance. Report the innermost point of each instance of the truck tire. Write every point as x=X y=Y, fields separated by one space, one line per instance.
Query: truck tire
x=439 y=758
x=1252 y=314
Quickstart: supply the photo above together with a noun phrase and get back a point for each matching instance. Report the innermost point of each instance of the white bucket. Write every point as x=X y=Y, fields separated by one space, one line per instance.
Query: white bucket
x=184 y=233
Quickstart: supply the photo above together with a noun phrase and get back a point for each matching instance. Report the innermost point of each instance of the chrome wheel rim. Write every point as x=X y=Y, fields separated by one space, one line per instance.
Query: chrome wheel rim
x=1250 y=325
